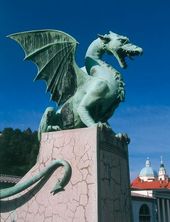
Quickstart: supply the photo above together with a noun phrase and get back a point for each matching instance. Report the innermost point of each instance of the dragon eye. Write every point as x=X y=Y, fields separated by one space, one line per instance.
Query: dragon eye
x=124 y=41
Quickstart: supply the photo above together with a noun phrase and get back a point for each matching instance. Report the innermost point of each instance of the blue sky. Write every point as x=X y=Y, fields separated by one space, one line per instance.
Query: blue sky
x=145 y=114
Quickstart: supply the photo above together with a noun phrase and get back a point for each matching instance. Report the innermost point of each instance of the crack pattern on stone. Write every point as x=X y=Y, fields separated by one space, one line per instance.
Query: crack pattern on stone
x=83 y=195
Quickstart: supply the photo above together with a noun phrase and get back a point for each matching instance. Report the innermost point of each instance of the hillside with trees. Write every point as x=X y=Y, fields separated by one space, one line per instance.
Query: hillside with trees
x=18 y=151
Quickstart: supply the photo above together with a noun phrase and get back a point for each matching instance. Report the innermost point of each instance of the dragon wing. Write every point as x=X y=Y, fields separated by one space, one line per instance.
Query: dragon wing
x=54 y=54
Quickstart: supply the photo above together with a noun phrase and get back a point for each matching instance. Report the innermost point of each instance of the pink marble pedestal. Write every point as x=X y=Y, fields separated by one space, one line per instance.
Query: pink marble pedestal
x=99 y=187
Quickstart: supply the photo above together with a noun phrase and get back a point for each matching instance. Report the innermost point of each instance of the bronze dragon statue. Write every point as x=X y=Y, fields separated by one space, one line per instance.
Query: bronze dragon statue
x=85 y=96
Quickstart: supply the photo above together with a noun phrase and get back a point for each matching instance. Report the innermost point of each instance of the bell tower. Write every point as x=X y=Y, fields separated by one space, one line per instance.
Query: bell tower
x=162 y=171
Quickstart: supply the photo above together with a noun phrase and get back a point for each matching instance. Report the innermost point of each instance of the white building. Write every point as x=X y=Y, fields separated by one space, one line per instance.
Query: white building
x=151 y=195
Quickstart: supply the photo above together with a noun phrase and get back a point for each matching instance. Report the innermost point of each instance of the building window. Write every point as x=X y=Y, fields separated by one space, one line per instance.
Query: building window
x=144 y=214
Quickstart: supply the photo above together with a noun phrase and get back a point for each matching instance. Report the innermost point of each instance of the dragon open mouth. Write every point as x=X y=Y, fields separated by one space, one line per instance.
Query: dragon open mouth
x=129 y=51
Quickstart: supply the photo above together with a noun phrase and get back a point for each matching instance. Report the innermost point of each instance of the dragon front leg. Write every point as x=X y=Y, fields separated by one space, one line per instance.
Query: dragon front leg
x=97 y=90
x=85 y=115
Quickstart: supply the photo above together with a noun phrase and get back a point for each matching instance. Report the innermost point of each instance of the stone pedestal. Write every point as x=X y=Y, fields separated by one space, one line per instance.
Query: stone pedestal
x=99 y=187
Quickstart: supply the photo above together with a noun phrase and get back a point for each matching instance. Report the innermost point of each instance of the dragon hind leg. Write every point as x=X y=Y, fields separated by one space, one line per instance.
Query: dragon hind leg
x=50 y=121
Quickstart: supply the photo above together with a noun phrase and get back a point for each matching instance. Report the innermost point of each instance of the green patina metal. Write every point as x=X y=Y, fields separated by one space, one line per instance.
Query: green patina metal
x=85 y=97
x=8 y=192
x=90 y=62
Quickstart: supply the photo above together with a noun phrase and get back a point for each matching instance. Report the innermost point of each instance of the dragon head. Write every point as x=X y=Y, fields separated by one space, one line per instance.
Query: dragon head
x=120 y=47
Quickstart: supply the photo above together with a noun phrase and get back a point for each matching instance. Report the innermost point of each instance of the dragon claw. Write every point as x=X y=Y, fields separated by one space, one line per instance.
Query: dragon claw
x=53 y=128
x=123 y=137
x=103 y=125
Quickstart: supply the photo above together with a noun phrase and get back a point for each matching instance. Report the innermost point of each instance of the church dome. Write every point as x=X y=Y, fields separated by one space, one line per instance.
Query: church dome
x=147 y=173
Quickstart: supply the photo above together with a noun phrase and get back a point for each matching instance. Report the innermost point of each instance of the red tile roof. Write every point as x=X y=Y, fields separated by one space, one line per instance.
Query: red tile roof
x=151 y=185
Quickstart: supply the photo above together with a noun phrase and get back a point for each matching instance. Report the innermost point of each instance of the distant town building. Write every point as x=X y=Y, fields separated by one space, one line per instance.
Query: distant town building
x=8 y=180
x=162 y=173
x=150 y=193
x=150 y=179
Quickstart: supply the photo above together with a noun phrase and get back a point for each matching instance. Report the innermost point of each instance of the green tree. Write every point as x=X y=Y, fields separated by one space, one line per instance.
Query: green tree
x=18 y=151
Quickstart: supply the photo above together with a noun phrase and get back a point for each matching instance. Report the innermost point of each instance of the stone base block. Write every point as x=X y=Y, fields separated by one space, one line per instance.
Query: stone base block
x=99 y=187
